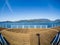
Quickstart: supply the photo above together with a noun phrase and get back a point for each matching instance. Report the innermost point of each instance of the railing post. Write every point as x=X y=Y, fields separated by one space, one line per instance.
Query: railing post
x=38 y=35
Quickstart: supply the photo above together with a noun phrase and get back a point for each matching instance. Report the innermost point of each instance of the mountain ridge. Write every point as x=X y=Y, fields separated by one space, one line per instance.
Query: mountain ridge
x=34 y=20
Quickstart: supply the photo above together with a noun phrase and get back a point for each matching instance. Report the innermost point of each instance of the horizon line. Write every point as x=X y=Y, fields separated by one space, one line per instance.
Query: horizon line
x=27 y=20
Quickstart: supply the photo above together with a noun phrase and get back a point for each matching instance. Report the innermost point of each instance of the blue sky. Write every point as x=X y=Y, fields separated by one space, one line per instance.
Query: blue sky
x=13 y=10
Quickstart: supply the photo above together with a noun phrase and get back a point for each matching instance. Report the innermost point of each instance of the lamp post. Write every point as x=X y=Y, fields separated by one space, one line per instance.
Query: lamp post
x=38 y=35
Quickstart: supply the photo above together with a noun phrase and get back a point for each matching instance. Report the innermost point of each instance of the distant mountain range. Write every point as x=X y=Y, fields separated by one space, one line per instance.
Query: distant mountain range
x=58 y=20
x=36 y=20
x=43 y=22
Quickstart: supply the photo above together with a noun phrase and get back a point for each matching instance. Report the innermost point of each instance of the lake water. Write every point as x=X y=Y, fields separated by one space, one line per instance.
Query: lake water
x=29 y=24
